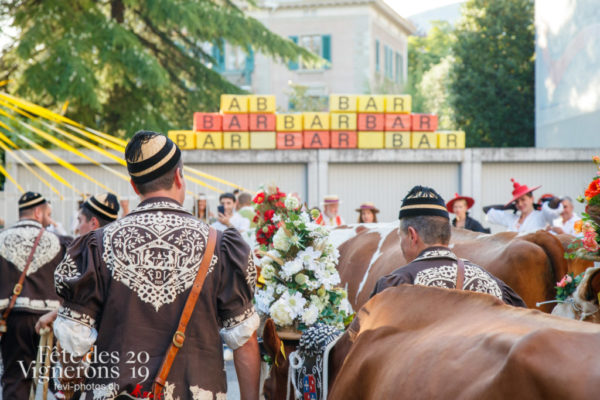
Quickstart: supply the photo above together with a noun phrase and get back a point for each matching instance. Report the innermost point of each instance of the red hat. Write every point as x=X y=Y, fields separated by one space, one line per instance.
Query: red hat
x=520 y=190
x=450 y=204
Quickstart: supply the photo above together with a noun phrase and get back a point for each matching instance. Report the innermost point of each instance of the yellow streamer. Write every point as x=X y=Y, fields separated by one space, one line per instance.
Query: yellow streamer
x=10 y=178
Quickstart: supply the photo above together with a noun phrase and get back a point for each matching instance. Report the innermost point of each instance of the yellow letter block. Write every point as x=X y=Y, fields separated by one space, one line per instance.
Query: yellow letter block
x=236 y=140
x=451 y=139
x=316 y=121
x=423 y=140
x=234 y=103
x=342 y=103
x=262 y=104
x=289 y=123
x=397 y=140
x=398 y=104
x=343 y=122
x=370 y=140
x=209 y=140
x=185 y=140
x=263 y=140
x=371 y=103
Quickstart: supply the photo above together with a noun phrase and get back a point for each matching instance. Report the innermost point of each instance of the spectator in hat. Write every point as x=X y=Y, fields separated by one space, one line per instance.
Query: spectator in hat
x=367 y=213
x=329 y=216
x=459 y=206
x=566 y=222
x=528 y=219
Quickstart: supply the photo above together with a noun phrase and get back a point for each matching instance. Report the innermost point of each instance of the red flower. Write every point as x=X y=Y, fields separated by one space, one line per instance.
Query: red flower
x=280 y=204
x=255 y=219
x=270 y=232
x=259 y=198
x=269 y=214
x=593 y=189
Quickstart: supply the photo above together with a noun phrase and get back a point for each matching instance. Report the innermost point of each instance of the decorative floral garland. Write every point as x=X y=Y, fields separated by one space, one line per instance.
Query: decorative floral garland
x=567 y=286
x=298 y=264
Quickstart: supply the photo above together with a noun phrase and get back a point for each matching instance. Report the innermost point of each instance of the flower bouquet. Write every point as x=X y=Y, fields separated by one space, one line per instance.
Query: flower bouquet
x=567 y=285
x=589 y=224
x=298 y=264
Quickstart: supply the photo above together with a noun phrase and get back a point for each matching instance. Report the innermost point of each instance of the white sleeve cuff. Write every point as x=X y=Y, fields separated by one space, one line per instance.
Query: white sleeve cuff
x=74 y=337
x=236 y=336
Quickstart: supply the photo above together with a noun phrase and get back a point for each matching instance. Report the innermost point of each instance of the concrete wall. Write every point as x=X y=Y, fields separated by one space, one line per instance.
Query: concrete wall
x=380 y=176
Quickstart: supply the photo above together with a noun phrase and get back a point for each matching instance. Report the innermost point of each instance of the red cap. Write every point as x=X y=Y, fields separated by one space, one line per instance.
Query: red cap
x=450 y=204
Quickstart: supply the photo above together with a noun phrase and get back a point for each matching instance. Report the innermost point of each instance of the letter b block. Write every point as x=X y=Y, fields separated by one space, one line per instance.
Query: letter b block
x=235 y=122
x=262 y=104
x=231 y=104
x=185 y=140
x=343 y=139
x=423 y=122
x=371 y=122
x=236 y=140
x=397 y=140
x=423 y=140
x=262 y=122
x=211 y=122
x=316 y=139
x=209 y=140
x=370 y=140
x=289 y=122
x=289 y=140
x=342 y=103
x=451 y=139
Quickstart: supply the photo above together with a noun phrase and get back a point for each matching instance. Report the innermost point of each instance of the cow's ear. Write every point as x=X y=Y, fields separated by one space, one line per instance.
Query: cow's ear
x=271 y=340
x=594 y=286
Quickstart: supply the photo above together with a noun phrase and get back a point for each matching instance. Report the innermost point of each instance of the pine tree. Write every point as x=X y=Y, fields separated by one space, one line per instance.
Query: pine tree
x=129 y=65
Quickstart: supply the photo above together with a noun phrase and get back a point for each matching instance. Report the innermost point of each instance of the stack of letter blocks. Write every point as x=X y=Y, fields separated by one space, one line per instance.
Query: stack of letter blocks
x=354 y=121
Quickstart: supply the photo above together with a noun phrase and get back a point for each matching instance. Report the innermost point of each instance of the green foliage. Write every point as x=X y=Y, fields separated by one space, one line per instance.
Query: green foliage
x=567 y=285
x=125 y=65
x=301 y=100
x=434 y=90
x=492 y=80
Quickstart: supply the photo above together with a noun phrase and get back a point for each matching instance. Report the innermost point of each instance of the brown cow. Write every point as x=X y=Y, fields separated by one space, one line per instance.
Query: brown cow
x=530 y=264
x=449 y=344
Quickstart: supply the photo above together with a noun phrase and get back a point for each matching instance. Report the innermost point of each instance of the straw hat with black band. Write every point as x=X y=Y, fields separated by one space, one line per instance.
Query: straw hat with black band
x=423 y=201
x=104 y=205
x=157 y=156
x=30 y=200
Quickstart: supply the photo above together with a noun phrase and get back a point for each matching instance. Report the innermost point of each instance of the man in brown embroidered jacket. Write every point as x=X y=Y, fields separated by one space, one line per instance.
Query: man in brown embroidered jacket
x=425 y=234
x=19 y=343
x=124 y=287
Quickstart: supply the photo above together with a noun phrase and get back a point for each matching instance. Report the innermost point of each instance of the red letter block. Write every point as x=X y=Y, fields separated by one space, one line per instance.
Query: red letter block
x=235 y=122
x=424 y=122
x=262 y=122
x=207 y=122
x=316 y=139
x=343 y=139
x=289 y=140
x=371 y=122
x=397 y=122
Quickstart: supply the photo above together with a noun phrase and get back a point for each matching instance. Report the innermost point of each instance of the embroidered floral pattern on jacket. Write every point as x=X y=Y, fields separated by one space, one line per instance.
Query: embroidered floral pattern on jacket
x=82 y=318
x=238 y=319
x=476 y=279
x=65 y=270
x=17 y=241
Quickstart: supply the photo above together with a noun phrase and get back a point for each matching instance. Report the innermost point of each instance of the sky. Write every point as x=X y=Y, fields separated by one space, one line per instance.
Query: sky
x=406 y=8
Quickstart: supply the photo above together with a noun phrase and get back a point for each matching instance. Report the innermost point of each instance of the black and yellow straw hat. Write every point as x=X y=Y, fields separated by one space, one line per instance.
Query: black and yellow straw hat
x=157 y=156
x=30 y=200
x=423 y=201
x=104 y=205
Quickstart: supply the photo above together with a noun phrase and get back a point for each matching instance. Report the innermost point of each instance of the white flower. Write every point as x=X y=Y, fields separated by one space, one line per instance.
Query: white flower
x=316 y=301
x=281 y=313
x=276 y=218
x=291 y=268
x=280 y=240
x=345 y=306
x=295 y=240
x=308 y=255
x=268 y=271
x=301 y=279
x=296 y=303
x=310 y=315
x=291 y=202
x=280 y=288
x=264 y=298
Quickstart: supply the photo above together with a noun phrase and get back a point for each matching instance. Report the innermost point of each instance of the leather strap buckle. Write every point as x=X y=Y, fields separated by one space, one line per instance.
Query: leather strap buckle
x=2 y=326
x=17 y=289
x=178 y=339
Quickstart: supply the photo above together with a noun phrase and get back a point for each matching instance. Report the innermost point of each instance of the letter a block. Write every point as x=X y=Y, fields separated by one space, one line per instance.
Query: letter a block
x=289 y=122
x=236 y=140
x=397 y=140
x=316 y=139
x=231 y=104
x=343 y=122
x=343 y=139
x=289 y=140
x=263 y=140
x=398 y=104
x=235 y=123
x=423 y=140
x=451 y=139
x=208 y=122
x=316 y=121
x=343 y=103
x=262 y=122
x=371 y=104
x=371 y=122
x=423 y=122
x=397 y=122
x=370 y=140
x=209 y=140
x=262 y=104
x=186 y=140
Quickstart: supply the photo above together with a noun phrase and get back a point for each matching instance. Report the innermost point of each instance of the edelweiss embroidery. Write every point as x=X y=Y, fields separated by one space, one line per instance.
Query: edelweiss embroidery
x=16 y=244
x=155 y=254
x=66 y=270
x=82 y=318
x=444 y=276
x=251 y=273
x=238 y=319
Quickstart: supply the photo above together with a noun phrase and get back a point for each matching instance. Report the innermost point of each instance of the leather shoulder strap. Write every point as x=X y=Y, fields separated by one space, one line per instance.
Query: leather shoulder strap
x=460 y=274
x=188 y=309
x=19 y=285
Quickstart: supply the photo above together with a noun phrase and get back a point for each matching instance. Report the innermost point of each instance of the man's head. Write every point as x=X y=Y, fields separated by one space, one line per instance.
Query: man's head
x=155 y=166
x=34 y=206
x=227 y=200
x=97 y=211
x=331 y=205
x=424 y=221
x=567 y=213
x=244 y=199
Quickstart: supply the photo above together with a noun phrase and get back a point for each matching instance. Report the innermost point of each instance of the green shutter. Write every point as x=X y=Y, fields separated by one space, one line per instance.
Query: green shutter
x=249 y=67
x=326 y=49
x=293 y=65
x=377 y=55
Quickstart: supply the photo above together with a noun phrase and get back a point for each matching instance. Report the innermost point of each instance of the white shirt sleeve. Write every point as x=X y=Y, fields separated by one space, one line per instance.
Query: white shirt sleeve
x=550 y=214
x=501 y=217
x=236 y=336
x=74 y=337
